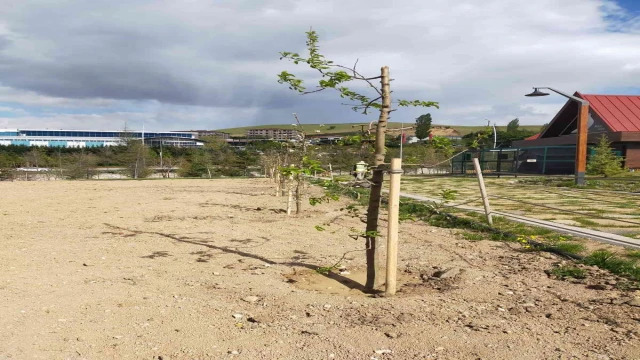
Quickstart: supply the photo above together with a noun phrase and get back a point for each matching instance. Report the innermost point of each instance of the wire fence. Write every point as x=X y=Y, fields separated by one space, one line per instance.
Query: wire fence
x=610 y=212
x=545 y=160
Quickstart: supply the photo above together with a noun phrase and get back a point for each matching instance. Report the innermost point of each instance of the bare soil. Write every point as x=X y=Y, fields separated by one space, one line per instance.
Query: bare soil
x=158 y=269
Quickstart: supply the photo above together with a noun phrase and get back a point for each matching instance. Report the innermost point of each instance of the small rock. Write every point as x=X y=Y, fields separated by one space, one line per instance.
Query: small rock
x=383 y=351
x=391 y=335
x=447 y=273
x=250 y=299
x=439 y=349
x=237 y=316
x=309 y=332
x=327 y=306
x=619 y=330
x=216 y=273
x=634 y=302
x=234 y=352
x=528 y=305
x=597 y=287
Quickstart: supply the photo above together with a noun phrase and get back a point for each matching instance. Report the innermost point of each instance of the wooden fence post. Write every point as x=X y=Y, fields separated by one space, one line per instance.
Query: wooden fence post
x=392 y=235
x=289 y=194
x=483 y=191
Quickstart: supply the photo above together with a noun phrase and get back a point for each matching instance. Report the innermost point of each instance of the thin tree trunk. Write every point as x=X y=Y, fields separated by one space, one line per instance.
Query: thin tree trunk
x=283 y=185
x=373 y=210
x=299 y=185
x=289 y=196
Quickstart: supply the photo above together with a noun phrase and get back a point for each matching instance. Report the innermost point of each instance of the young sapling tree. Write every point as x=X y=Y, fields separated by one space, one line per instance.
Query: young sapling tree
x=336 y=77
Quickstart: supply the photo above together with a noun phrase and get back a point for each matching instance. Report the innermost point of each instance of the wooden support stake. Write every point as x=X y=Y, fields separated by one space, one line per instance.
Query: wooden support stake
x=392 y=235
x=331 y=172
x=289 y=195
x=483 y=191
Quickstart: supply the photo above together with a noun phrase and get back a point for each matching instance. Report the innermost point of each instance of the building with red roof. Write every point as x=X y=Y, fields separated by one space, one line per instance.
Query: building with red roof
x=615 y=116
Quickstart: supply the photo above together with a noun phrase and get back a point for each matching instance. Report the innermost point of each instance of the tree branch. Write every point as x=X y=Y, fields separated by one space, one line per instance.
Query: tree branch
x=359 y=76
x=313 y=91
x=366 y=107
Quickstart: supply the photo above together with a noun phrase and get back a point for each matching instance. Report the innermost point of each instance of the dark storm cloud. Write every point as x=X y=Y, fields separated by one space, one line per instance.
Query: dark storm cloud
x=143 y=52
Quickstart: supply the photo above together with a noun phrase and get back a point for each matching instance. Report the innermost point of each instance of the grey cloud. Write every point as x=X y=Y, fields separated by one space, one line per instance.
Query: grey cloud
x=224 y=54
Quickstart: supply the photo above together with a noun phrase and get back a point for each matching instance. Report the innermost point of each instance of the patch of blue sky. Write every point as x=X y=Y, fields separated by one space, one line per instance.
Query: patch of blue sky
x=631 y=6
x=617 y=90
x=626 y=19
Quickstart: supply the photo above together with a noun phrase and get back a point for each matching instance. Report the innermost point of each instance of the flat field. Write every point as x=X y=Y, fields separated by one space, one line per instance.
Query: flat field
x=212 y=269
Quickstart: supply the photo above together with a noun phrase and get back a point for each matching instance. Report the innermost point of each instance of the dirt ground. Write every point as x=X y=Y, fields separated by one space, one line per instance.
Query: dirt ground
x=212 y=269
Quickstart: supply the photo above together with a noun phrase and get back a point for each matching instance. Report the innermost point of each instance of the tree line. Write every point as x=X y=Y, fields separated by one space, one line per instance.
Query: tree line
x=217 y=158
x=136 y=160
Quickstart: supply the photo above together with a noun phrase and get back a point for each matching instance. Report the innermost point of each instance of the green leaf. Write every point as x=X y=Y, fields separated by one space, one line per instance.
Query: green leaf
x=418 y=103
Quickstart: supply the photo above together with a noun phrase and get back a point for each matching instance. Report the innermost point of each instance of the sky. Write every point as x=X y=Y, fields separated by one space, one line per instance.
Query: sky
x=211 y=64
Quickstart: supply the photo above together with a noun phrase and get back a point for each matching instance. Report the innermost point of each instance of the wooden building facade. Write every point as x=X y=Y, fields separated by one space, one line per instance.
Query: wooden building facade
x=615 y=116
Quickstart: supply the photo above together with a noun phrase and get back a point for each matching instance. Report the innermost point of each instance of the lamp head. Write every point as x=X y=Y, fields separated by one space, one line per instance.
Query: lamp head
x=537 y=92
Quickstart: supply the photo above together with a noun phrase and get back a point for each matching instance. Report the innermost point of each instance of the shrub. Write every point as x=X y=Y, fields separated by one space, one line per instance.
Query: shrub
x=604 y=161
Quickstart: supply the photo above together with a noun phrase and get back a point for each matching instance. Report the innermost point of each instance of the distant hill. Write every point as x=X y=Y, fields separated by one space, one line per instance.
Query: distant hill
x=343 y=129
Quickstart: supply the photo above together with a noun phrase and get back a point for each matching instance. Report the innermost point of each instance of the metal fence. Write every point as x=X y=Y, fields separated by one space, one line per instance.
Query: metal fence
x=546 y=160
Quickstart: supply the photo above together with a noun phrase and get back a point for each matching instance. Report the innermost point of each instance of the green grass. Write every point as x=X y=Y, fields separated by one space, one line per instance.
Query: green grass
x=605 y=259
x=563 y=272
x=533 y=238
x=473 y=236
x=347 y=128
x=633 y=254
x=569 y=247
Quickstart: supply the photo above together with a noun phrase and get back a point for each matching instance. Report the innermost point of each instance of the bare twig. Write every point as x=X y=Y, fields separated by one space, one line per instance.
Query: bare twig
x=313 y=91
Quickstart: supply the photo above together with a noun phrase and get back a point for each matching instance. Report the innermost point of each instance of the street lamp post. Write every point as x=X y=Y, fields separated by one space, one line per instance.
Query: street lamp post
x=581 y=143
